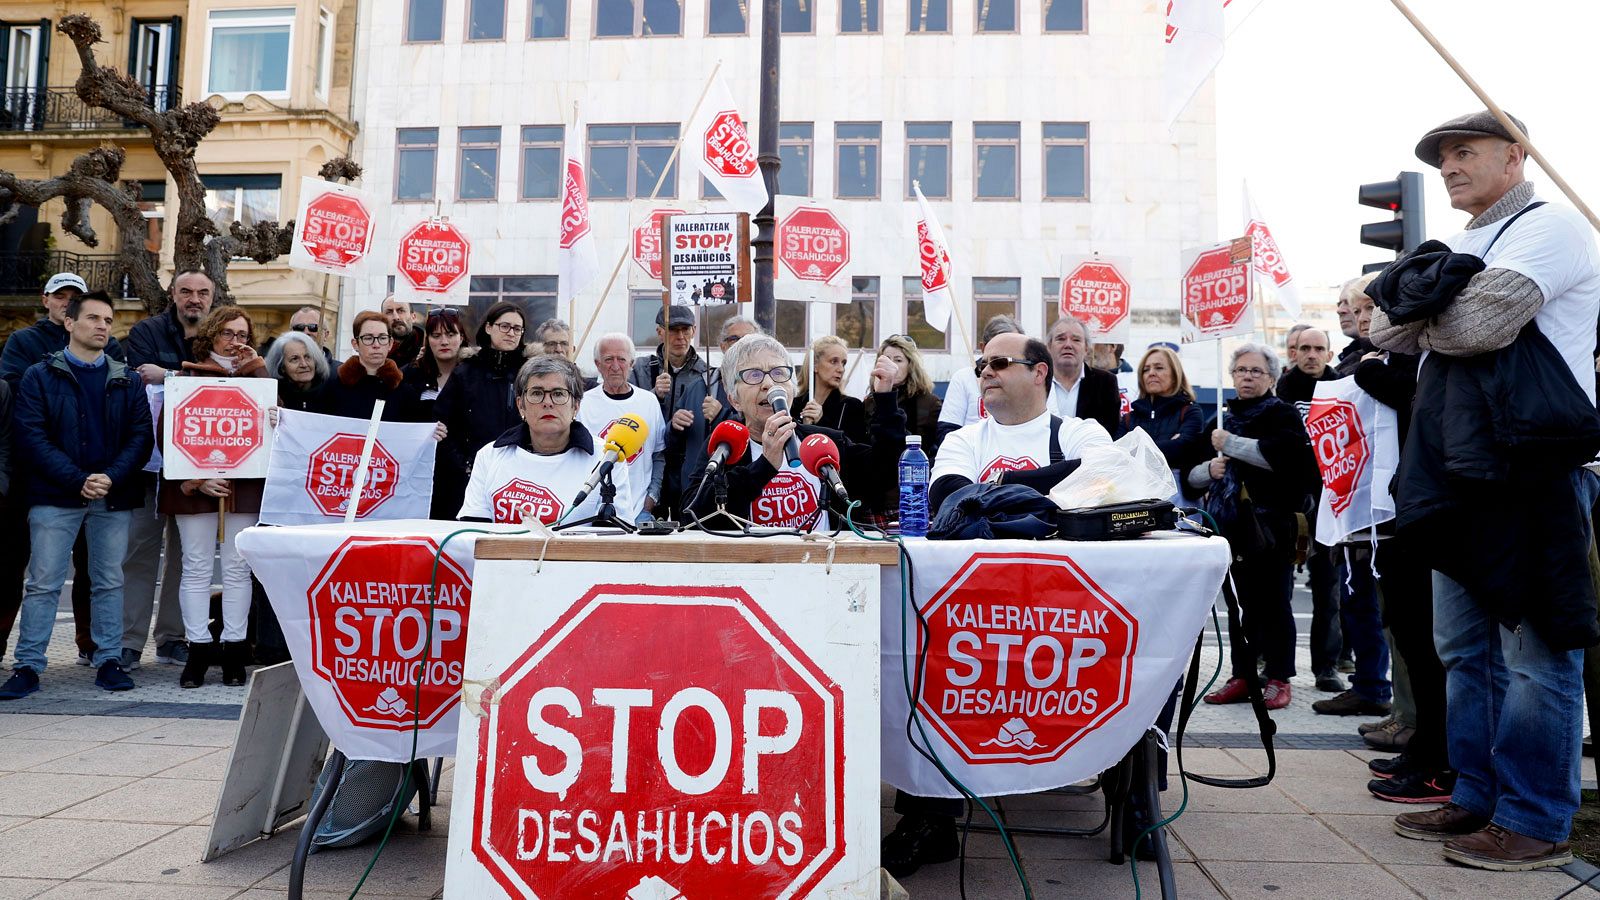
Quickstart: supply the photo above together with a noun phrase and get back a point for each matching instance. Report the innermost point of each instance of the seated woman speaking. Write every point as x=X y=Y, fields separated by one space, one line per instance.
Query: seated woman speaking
x=762 y=488
x=535 y=469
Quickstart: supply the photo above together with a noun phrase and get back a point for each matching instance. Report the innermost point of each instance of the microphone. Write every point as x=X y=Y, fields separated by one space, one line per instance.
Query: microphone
x=780 y=404
x=728 y=443
x=820 y=455
x=622 y=439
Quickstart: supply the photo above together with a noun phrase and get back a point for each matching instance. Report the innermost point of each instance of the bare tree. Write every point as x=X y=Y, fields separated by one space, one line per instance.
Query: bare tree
x=94 y=178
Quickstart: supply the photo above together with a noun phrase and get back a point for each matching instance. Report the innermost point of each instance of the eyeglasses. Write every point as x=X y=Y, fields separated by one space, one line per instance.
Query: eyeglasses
x=557 y=396
x=234 y=335
x=1251 y=371
x=778 y=374
x=374 y=340
x=1000 y=364
x=304 y=327
x=507 y=327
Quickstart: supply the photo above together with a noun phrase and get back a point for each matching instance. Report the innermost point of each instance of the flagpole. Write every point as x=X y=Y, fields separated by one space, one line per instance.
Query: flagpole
x=1499 y=114
x=572 y=298
x=626 y=246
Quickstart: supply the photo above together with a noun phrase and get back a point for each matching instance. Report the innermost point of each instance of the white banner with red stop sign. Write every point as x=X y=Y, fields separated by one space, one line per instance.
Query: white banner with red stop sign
x=312 y=469
x=1098 y=291
x=333 y=229
x=1356 y=440
x=813 y=252
x=652 y=730
x=217 y=427
x=1216 y=299
x=355 y=608
x=1041 y=663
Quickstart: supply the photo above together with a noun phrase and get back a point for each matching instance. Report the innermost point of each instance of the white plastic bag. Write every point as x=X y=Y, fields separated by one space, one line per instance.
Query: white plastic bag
x=1131 y=469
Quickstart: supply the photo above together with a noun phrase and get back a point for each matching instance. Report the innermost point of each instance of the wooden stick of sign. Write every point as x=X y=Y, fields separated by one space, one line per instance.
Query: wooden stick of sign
x=360 y=482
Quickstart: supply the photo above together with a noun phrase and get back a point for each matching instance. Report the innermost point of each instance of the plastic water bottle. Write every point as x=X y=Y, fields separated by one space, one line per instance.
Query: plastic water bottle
x=913 y=489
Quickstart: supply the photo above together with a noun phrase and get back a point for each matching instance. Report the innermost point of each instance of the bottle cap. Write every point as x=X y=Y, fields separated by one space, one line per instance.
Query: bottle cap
x=914 y=440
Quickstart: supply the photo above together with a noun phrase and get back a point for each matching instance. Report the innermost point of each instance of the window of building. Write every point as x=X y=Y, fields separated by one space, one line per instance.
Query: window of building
x=997 y=16
x=324 y=52
x=541 y=162
x=929 y=16
x=153 y=206
x=728 y=17
x=1063 y=15
x=424 y=21
x=1066 y=160
x=794 y=156
x=152 y=59
x=626 y=161
x=796 y=16
x=859 y=17
x=486 y=20
x=248 y=51
x=995 y=297
x=246 y=199
x=479 y=163
x=997 y=150
x=1050 y=290
x=927 y=337
x=792 y=325
x=535 y=294
x=638 y=18
x=416 y=156
x=643 y=306
x=547 y=19
x=708 y=191
x=928 y=158
x=860 y=146
x=857 y=321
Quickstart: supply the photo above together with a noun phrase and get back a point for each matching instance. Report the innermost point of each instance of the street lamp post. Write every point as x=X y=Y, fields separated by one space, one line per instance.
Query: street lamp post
x=767 y=155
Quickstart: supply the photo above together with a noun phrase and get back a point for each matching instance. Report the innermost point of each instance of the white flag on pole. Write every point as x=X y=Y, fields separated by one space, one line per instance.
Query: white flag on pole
x=1267 y=259
x=720 y=144
x=934 y=252
x=577 y=263
x=1194 y=36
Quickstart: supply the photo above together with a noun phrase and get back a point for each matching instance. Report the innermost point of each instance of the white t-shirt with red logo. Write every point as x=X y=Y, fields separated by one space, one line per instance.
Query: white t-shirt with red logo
x=599 y=409
x=981 y=451
x=792 y=499
x=504 y=479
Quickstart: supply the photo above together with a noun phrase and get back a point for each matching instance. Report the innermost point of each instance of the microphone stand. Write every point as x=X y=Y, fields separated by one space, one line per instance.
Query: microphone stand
x=606 y=515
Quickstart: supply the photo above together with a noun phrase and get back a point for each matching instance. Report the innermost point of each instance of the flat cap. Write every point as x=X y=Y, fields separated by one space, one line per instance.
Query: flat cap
x=681 y=315
x=1473 y=125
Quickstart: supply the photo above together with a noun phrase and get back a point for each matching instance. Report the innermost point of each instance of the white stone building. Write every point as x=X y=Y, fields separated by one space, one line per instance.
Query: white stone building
x=1033 y=125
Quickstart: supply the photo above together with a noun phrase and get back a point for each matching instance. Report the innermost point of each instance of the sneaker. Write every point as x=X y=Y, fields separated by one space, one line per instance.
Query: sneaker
x=1442 y=824
x=1500 y=850
x=1236 y=690
x=23 y=681
x=112 y=678
x=1349 y=703
x=84 y=659
x=1347 y=665
x=130 y=659
x=1277 y=694
x=1415 y=787
x=172 y=653
x=1366 y=728
x=1330 y=683
x=1391 y=738
x=918 y=841
x=1392 y=767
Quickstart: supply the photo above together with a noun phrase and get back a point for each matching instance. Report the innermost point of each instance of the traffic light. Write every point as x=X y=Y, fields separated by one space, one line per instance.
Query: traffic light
x=1402 y=197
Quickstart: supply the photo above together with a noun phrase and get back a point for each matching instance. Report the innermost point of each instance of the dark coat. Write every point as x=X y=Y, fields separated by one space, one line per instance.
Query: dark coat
x=1392 y=383
x=5 y=438
x=291 y=396
x=841 y=413
x=159 y=340
x=1284 y=490
x=351 y=393
x=1297 y=388
x=50 y=437
x=1100 y=399
x=1350 y=356
x=478 y=404
x=1174 y=423
x=246 y=498
x=686 y=449
x=35 y=343
x=405 y=351
x=921 y=414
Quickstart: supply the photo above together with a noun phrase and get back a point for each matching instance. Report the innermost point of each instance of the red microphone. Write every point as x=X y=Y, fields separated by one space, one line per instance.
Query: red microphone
x=820 y=455
x=727 y=445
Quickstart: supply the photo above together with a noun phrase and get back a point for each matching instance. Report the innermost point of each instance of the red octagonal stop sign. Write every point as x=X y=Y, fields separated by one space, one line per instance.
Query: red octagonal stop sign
x=647 y=242
x=510 y=500
x=1216 y=289
x=1026 y=656
x=728 y=146
x=331 y=474
x=337 y=230
x=434 y=255
x=813 y=244
x=218 y=427
x=1341 y=446
x=1096 y=294
x=653 y=772
x=369 y=630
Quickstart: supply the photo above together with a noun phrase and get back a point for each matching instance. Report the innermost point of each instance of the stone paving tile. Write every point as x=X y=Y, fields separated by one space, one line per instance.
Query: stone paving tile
x=16 y=723
x=1342 y=794
x=93 y=728
x=56 y=847
x=1461 y=883
x=1374 y=836
x=1264 y=836
x=22 y=888
x=1323 y=881
x=1205 y=798
x=150 y=800
x=984 y=878
x=410 y=866
x=1107 y=881
x=18 y=754
x=1296 y=763
x=174 y=859
x=190 y=733
x=42 y=793
x=209 y=767
x=80 y=889
x=13 y=821
x=123 y=758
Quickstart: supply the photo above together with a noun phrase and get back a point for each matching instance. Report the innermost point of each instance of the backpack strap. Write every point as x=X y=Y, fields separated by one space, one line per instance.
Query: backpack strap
x=1056 y=455
x=1520 y=213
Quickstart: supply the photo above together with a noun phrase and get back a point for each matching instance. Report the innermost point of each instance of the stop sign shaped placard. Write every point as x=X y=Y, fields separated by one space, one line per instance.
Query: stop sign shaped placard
x=337 y=230
x=511 y=499
x=813 y=244
x=1096 y=294
x=647 y=243
x=660 y=773
x=218 y=427
x=1342 y=448
x=331 y=474
x=434 y=256
x=1026 y=656
x=370 y=637
x=1216 y=290
x=728 y=146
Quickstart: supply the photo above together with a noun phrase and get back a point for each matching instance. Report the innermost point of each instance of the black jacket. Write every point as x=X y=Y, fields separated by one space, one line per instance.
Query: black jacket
x=1392 y=383
x=839 y=412
x=351 y=392
x=1174 y=423
x=159 y=340
x=686 y=449
x=1285 y=489
x=405 y=351
x=5 y=438
x=1100 y=399
x=1297 y=388
x=293 y=397
x=478 y=404
x=35 y=343
x=51 y=439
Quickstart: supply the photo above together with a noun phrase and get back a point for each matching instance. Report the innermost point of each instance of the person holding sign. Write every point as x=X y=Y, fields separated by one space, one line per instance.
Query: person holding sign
x=224 y=347
x=369 y=376
x=830 y=408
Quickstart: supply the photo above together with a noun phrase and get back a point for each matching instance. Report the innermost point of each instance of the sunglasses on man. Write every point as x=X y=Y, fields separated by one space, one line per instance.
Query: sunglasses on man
x=306 y=327
x=1000 y=364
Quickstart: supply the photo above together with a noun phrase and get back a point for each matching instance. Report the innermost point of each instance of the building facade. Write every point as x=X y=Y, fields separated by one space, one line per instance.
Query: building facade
x=1033 y=126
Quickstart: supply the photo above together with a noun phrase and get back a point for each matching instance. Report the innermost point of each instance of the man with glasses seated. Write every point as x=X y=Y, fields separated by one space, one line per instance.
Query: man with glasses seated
x=369 y=376
x=763 y=488
x=535 y=469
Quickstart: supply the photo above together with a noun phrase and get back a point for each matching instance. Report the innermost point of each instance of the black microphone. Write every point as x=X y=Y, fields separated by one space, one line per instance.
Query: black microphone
x=780 y=404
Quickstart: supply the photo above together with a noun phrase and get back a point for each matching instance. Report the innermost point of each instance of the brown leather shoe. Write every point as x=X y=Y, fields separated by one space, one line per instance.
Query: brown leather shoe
x=1499 y=850
x=1445 y=823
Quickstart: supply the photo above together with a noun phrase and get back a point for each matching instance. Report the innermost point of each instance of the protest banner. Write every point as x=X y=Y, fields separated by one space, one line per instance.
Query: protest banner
x=706 y=258
x=434 y=259
x=333 y=228
x=1097 y=291
x=1356 y=440
x=217 y=427
x=813 y=251
x=313 y=462
x=1215 y=301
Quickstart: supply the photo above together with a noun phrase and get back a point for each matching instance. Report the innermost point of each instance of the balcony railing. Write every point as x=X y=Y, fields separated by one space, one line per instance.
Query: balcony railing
x=61 y=109
x=23 y=274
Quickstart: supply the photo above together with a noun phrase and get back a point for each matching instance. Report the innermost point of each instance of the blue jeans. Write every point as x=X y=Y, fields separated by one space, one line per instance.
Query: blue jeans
x=1362 y=626
x=54 y=529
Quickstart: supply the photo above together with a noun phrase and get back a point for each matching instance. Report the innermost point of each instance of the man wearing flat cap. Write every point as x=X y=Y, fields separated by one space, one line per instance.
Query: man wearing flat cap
x=1513 y=658
x=677 y=375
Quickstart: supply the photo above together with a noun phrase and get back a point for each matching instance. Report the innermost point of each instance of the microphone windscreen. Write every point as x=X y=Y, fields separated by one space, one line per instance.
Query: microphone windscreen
x=626 y=435
x=817 y=451
x=778 y=399
x=732 y=435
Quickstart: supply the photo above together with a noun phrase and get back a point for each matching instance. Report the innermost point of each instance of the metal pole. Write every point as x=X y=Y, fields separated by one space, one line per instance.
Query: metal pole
x=767 y=155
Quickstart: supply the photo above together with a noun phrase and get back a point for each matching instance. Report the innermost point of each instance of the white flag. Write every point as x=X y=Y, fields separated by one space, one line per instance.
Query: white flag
x=1268 y=262
x=934 y=252
x=577 y=263
x=1194 y=38
x=311 y=470
x=720 y=144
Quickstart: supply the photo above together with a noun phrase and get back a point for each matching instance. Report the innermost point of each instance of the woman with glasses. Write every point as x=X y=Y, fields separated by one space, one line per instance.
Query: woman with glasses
x=223 y=347
x=301 y=369
x=369 y=376
x=1166 y=408
x=1261 y=477
x=478 y=402
x=830 y=408
x=535 y=469
x=763 y=488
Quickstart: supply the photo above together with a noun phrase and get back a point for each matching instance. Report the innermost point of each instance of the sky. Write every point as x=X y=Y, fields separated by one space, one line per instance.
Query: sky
x=1317 y=98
